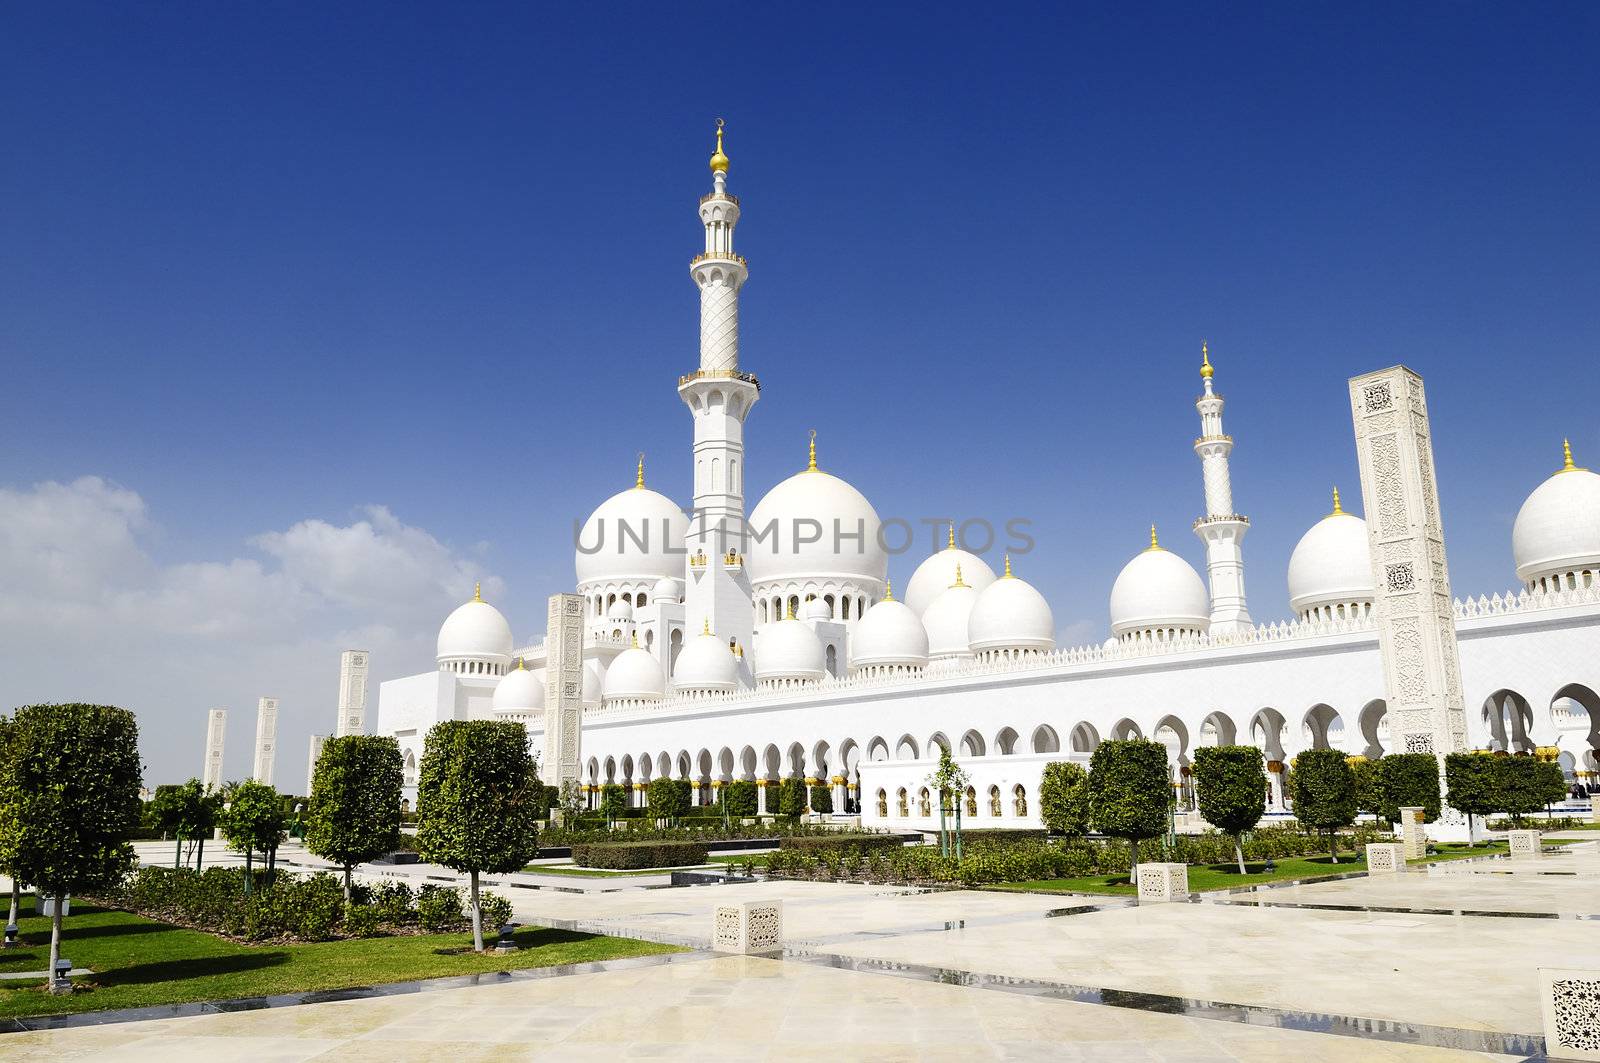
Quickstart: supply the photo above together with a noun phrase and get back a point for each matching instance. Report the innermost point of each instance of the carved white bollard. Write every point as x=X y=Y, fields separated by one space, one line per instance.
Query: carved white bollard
x=1385 y=858
x=748 y=927
x=1570 y=1002
x=1523 y=842
x=1413 y=836
x=1594 y=808
x=1163 y=882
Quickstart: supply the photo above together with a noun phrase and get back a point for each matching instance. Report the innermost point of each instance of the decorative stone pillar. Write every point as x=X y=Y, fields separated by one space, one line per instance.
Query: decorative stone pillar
x=216 y=730
x=748 y=927
x=353 y=665
x=1594 y=808
x=563 y=691
x=1160 y=883
x=840 y=794
x=1571 y=1022
x=1524 y=843
x=1415 y=617
x=313 y=754
x=1413 y=834
x=266 y=740
x=761 y=797
x=811 y=780
x=1385 y=858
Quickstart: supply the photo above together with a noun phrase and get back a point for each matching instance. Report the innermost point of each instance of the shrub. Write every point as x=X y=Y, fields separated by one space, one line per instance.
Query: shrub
x=613 y=800
x=821 y=798
x=1129 y=790
x=361 y=920
x=1408 y=780
x=792 y=797
x=1525 y=785
x=627 y=856
x=666 y=799
x=1064 y=799
x=995 y=837
x=1369 y=789
x=739 y=797
x=496 y=910
x=394 y=902
x=1325 y=793
x=855 y=843
x=439 y=908
x=1471 y=785
x=1232 y=790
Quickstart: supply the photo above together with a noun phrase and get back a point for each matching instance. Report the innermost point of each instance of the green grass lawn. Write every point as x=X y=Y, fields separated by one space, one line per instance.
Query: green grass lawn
x=139 y=961
x=754 y=859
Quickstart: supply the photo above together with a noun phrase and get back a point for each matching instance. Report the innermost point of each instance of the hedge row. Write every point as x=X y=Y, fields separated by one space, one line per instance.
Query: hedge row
x=712 y=830
x=842 y=842
x=285 y=907
x=628 y=856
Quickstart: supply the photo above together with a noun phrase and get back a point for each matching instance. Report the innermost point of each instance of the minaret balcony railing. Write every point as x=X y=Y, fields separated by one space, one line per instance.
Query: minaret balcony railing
x=725 y=256
x=729 y=196
x=1221 y=518
x=720 y=374
x=1212 y=439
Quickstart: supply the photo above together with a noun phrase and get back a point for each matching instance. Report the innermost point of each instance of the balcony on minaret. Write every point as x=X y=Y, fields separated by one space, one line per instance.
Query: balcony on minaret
x=1220 y=518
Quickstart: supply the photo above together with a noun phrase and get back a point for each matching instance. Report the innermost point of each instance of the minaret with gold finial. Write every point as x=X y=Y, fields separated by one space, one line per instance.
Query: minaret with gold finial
x=1221 y=529
x=719 y=397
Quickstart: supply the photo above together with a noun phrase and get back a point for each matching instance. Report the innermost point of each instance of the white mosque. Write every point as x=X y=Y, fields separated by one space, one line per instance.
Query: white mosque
x=720 y=647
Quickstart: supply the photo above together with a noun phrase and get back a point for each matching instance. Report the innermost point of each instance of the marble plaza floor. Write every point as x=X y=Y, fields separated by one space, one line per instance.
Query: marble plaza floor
x=1407 y=966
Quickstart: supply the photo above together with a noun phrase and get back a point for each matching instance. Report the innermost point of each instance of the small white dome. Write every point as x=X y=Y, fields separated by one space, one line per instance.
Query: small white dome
x=890 y=634
x=816 y=610
x=946 y=621
x=635 y=535
x=938 y=571
x=520 y=690
x=1010 y=614
x=1158 y=589
x=620 y=610
x=847 y=547
x=475 y=630
x=706 y=663
x=789 y=649
x=1331 y=565
x=667 y=589
x=635 y=675
x=1557 y=531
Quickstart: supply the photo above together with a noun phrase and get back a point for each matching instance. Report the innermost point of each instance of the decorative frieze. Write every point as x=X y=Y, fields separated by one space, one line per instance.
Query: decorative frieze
x=1570 y=1004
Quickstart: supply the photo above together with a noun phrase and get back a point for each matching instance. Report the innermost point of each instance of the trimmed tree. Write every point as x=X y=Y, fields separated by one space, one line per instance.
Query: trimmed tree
x=1408 y=780
x=1522 y=785
x=477 y=802
x=1064 y=799
x=1471 y=785
x=666 y=798
x=254 y=819
x=69 y=802
x=792 y=798
x=1128 y=792
x=1231 y=784
x=1324 y=793
x=739 y=798
x=822 y=798
x=613 y=801
x=188 y=812
x=354 y=813
x=6 y=732
x=1369 y=786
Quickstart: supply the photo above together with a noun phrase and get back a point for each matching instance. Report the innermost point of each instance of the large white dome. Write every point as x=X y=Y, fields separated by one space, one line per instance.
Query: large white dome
x=946 y=621
x=846 y=548
x=890 y=634
x=1331 y=565
x=475 y=631
x=1010 y=614
x=938 y=571
x=594 y=681
x=1557 y=531
x=789 y=649
x=636 y=535
x=706 y=663
x=635 y=675
x=520 y=690
x=1158 y=590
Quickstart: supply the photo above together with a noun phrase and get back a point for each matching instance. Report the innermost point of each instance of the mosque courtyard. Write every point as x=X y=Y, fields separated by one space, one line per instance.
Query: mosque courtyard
x=1431 y=963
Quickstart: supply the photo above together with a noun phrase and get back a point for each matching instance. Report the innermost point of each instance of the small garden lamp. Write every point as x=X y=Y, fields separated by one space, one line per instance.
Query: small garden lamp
x=506 y=942
x=59 y=982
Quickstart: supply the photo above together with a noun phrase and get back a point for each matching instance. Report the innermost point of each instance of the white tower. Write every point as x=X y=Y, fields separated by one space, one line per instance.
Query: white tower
x=1221 y=529
x=352 y=693
x=266 y=740
x=719 y=396
x=216 y=731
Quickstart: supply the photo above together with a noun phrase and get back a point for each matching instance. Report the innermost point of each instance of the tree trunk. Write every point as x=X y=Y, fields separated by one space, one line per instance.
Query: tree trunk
x=177 y=851
x=16 y=904
x=1333 y=845
x=1238 y=850
x=55 y=943
x=347 y=869
x=477 y=916
x=1133 y=862
x=249 y=856
x=200 y=853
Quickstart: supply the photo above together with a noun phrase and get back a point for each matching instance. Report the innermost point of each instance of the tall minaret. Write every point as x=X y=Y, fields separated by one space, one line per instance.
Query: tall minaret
x=1221 y=529
x=719 y=396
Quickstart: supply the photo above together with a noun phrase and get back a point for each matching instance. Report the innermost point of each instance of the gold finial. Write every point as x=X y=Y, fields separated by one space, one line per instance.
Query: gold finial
x=520 y=666
x=1008 y=568
x=638 y=481
x=950 y=543
x=1205 y=361
x=477 y=591
x=1155 y=544
x=958 y=582
x=888 y=589
x=636 y=638
x=1337 y=509
x=1566 y=456
x=790 y=610
x=706 y=626
x=811 y=464
x=719 y=161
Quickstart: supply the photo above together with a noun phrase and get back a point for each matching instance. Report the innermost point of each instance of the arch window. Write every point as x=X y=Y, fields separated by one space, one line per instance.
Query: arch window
x=994 y=802
x=972 y=802
x=924 y=803
x=904 y=811
x=1019 y=797
x=883 y=803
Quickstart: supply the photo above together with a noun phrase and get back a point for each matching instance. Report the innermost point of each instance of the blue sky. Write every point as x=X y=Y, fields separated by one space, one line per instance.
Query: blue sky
x=315 y=296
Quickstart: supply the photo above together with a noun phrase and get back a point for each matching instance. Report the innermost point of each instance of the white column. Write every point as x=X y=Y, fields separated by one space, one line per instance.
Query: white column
x=353 y=666
x=216 y=727
x=563 y=698
x=313 y=753
x=1221 y=529
x=266 y=740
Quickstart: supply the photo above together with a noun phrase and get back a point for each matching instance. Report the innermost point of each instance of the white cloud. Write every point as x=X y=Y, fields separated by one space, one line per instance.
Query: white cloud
x=88 y=614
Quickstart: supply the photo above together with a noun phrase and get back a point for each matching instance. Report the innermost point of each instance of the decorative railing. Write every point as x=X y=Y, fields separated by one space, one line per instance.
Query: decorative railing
x=719 y=256
x=719 y=374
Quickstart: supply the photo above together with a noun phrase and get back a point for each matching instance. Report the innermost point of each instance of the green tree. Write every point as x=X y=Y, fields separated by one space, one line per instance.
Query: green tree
x=949 y=781
x=1369 y=787
x=821 y=798
x=1522 y=786
x=1231 y=785
x=354 y=815
x=666 y=798
x=1472 y=785
x=1129 y=792
x=792 y=798
x=6 y=733
x=69 y=801
x=739 y=798
x=1064 y=799
x=1324 y=793
x=613 y=801
x=1552 y=783
x=188 y=812
x=253 y=819
x=1408 y=780
x=477 y=802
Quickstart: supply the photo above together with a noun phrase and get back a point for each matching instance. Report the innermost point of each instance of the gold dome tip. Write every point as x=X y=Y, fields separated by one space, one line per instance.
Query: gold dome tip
x=1205 y=361
x=477 y=590
x=1337 y=509
x=638 y=480
x=811 y=462
x=520 y=666
x=950 y=543
x=1008 y=568
x=888 y=590
x=1155 y=544
x=719 y=161
x=705 y=626
x=959 y=582
x=1566 y=458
